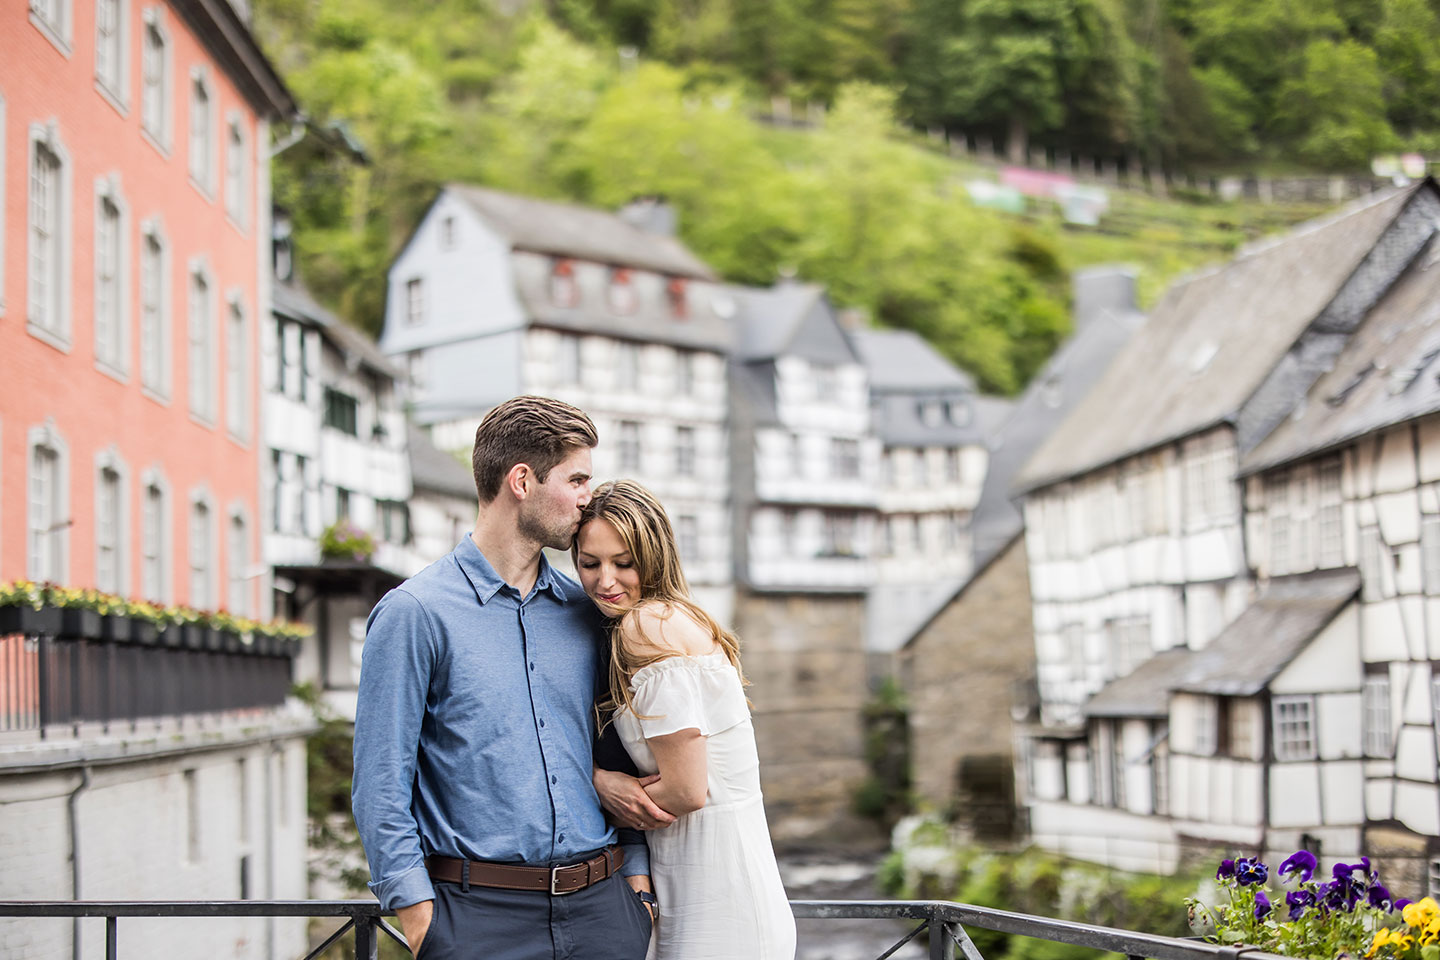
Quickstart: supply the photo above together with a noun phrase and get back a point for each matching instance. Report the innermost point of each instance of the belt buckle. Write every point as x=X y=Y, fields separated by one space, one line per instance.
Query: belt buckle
x=555 y=878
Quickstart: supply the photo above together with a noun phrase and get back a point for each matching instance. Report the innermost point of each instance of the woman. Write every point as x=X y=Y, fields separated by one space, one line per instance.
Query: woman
x=676 y=690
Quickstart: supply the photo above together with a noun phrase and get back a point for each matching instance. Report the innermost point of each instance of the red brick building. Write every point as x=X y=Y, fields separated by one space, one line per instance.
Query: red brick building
x=134 y=277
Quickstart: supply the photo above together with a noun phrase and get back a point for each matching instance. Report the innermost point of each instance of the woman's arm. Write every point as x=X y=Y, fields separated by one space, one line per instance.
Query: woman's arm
x=683 y=783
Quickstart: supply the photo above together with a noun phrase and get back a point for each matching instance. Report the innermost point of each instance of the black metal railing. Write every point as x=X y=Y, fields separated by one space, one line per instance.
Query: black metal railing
x=51 y=682
x=943 y=921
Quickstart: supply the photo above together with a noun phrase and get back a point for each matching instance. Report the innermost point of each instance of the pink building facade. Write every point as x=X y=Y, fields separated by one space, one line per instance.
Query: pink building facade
x=134 y=277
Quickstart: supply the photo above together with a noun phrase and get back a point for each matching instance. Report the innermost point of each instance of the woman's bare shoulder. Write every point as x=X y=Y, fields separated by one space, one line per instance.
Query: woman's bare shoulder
x=658 y=628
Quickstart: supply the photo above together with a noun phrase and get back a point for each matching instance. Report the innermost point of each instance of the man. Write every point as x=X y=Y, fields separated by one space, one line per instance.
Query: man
x=473 y=730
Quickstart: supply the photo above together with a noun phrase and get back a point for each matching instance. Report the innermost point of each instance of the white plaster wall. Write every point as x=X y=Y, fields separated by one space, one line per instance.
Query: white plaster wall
x=1295 y=794
x=1330 y=662
x=1122 y=840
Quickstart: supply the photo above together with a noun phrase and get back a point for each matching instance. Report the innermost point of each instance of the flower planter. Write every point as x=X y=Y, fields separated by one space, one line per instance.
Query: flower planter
x=26 y=619
x=115 y=628
x=144 y=632
x=214 y=639
x=192 y=635
x=85 y=624
x=229 y=641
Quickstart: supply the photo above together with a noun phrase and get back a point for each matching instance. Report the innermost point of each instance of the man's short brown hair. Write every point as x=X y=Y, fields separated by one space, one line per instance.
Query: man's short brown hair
x=536 y=431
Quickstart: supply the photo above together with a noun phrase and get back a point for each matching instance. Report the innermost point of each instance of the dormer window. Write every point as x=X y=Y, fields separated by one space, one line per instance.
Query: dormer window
x=675 y=290
x=622 y=291
x=564 y=292
x=930 y=412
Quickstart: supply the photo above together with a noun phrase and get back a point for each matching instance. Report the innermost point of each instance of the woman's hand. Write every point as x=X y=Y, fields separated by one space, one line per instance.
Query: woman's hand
x=626 y=801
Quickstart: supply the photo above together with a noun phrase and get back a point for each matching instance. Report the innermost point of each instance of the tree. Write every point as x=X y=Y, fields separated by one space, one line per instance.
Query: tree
x=1335 y=107
x=1408 y=45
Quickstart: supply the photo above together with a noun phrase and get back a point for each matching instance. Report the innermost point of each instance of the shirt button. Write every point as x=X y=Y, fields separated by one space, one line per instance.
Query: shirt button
x=532 y=666
x=542 y=723
x=554 y=779
x=561 y=838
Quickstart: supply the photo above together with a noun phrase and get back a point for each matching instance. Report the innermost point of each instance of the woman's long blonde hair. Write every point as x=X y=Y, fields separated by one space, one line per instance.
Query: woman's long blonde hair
x=644 y=528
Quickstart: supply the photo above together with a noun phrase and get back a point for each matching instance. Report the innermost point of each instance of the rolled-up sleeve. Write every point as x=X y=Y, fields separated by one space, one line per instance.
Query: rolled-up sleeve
x=395 y=670
x=637 y=852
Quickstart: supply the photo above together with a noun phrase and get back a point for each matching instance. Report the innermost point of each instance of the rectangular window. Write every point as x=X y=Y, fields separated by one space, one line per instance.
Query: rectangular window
x=1430 y=553
x=447 y=233
x=839 y=534
x=277 y=491
x=1330 y=530
x=202 y=349
x=627 y=366
x=235 y=162
x=284 y=359
x=1277 y=510
x=108 y=511
x=342 y=412
x=826 y=385
x=152 y=335
x=202 y=539
x=238 y=562
x=567 y=359
x=202 y=133
x=44 y=516
x=797 y=456
x=237 y=372
x=394 y=522
x=685 y=451
x=342 y=504
x=629 y=445
x=1207 y=726
x=1294 y=728
x=684 y=373
x=1376 y=723
x=687 y=538
x=844 y=458
x=154 y=66
x=108 y=324
x=1244 y=729
x=108 y=47
x=952 y=465
x=301 y=494
x=152 y=544
x=789 y=531
x=414 y=301
x=46 y=242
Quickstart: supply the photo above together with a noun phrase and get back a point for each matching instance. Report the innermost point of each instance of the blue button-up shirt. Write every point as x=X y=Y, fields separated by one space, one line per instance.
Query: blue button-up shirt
x=474 y=726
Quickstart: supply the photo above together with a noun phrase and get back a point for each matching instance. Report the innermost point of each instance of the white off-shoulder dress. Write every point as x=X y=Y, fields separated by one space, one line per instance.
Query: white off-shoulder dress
x=714 y=870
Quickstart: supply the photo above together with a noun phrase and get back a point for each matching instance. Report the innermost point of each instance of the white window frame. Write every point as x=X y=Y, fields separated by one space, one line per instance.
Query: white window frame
x=686 y=451
x=108 y=461
x=52 y=303
x=112 y=345
x=1278 y=522
x=156 y=553
x=685 y=373
x=628 y=445
x=1206 y=732
x=1329 y=513
x=687 y=537
x=114 y=83
x=845 y=458
x=201 y=344
x=237 y=167
x=627 y=366
x=54 y=514
x=448 y=232
x=156 y=112
x=414 y=301
x=55 y=19
x=1294 y=727
x=1375 y=725
x=201 y=551
x=201 y=132
x=155 y=323
x=239 y=590
x=841 y=531
x=237 y=367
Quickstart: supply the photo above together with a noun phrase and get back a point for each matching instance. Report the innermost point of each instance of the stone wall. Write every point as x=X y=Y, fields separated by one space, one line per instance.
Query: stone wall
x=961 y=672
x=805 y=659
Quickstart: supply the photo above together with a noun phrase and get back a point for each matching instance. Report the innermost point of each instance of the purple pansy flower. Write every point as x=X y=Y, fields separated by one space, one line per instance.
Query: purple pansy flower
x=1227 y=869
x=1299 y=901
x=1401 y=904
x=1250 y=871
x=1301 y=862
x=1262 y=905
x=1379 y=897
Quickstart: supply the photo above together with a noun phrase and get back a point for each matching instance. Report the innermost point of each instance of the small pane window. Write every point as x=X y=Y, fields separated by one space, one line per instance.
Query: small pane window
x=567 y=359
x=627 y=366
x=1294 y=728
x=154 y=81
x=202 y=539
x=844 y=458
x=685 y=451
x=687 y=538
x=839 y=534
x=414 y=301
x=1207 y=725
x=564 y=289
x=109 y=326
x=108 y=513
x=152 y=544
x=629 y=445
x=622 y=295
x=152 y=316
x=1376 y=701
x=342 y=412
x=202 y=133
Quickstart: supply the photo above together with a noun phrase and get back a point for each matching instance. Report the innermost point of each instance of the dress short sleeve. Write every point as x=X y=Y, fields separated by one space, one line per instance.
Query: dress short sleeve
x=680 y=693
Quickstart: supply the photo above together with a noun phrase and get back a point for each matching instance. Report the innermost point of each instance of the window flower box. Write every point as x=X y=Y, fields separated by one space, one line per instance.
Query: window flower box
x=115 y=628
x=29 y=620
x=79 y=622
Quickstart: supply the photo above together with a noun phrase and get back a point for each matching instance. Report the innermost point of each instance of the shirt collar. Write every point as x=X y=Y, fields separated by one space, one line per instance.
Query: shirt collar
x=487 y=582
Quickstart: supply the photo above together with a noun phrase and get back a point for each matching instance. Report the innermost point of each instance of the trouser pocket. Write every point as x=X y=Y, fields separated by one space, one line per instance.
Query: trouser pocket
x=436 y=945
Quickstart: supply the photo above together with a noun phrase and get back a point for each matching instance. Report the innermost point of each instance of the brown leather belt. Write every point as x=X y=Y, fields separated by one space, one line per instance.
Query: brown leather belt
x=556 y=881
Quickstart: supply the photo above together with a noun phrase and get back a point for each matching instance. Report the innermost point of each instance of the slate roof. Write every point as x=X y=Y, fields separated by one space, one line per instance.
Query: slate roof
x=568 y=230
x=651 y=322
x=905 y=372
x=1269 y=634
x=1210 y=343
x=1144 y=691
x=294 y=301
x=1388 y=373
x=433 y=469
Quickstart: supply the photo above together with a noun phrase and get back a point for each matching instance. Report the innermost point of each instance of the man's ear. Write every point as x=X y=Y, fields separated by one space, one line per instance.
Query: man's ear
x=520 y=480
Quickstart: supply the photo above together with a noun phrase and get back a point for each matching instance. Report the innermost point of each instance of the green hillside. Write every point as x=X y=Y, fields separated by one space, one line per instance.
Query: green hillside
x=463 y=90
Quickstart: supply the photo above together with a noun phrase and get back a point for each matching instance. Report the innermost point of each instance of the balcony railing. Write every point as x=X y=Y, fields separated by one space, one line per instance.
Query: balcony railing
x=51 y=682
x=943 y=921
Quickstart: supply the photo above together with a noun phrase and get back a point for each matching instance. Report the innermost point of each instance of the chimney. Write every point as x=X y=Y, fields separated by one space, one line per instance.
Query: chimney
x=1101 y=289
x=651 y=214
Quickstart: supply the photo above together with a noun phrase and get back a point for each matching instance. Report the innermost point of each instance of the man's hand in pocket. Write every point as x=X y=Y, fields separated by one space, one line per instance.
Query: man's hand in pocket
x=415 y=922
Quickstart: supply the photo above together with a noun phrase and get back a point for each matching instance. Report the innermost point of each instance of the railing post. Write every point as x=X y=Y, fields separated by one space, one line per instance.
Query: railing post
x=112 y=938
x=939 y=939
x=42 y=676
x=367 y=944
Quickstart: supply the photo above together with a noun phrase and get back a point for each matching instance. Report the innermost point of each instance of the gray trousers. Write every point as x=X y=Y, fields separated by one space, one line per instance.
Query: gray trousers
x=606 y=921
